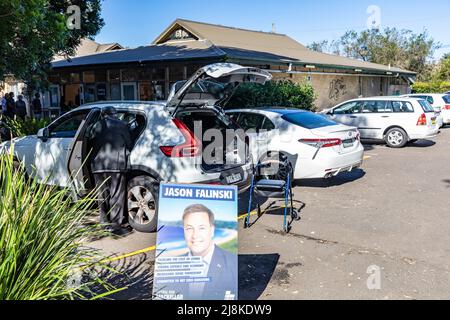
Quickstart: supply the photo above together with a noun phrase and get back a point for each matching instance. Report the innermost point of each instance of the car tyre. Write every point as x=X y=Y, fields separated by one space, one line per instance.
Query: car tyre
x=396 y=138
x=281 y=161
x=142 y=204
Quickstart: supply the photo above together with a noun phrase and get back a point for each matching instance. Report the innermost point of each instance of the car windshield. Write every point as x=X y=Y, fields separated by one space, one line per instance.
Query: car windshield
x=426 y=106
x=308 y=120
x=446 y=99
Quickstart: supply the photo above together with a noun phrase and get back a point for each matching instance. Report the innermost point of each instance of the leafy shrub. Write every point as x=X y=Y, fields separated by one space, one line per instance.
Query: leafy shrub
x=431 y=87
x=274 y=94
x=20 y=128
x=41 y=239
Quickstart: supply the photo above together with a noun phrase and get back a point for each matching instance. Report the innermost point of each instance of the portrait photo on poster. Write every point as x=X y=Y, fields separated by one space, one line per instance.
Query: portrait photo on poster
x=197 y=243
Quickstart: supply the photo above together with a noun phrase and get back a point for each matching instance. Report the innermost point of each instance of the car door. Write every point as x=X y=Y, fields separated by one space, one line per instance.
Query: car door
x=51 y=152
x=78 y=164
x=252 y=123
x=376 y=116
x=347 y=113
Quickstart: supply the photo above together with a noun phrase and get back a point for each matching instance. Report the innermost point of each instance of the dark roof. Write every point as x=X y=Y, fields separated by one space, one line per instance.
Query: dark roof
x=215 y=41
x=250 y=44
x=183 y=50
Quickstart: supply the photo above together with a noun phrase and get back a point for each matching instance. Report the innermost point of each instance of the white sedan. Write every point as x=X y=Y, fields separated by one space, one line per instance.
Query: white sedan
x=315 y=146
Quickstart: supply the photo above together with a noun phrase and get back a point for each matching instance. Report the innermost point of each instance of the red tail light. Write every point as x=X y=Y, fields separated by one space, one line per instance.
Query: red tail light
x=422 y=120
x=447 y=107
x=322 y=143
x=190 y=148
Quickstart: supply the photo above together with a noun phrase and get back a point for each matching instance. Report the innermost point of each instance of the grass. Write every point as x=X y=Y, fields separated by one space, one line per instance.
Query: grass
x=42 y=236
x=230 y=246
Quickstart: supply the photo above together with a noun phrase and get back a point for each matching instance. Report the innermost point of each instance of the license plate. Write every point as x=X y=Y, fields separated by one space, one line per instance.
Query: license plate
x=433 y=122
x=348 y=145
x=234 y=178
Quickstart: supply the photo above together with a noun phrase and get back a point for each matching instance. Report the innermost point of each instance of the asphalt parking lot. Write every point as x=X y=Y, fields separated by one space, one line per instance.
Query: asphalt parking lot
x=393 y=216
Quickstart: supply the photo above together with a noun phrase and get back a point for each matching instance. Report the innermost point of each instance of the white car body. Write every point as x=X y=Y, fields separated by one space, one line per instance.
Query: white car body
x=166 y=148
x=374 y=117
x=440 y=104
x=308 y=160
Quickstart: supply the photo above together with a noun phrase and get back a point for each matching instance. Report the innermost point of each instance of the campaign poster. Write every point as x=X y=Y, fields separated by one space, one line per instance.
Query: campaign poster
x=197 y=243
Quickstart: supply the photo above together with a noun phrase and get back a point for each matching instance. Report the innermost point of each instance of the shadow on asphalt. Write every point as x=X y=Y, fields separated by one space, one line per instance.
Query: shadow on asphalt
x=255 y=272
x=334 y=181
x=421 y=144
x=134 y=276
x=447 y=182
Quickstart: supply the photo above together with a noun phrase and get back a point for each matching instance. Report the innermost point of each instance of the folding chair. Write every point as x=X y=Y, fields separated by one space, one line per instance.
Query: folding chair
x=272 y=189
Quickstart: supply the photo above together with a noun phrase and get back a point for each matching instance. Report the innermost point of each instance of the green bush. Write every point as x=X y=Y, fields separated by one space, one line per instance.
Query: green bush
x=42 y=232
x=27 y=127
x=274 y=94
x=431 y=87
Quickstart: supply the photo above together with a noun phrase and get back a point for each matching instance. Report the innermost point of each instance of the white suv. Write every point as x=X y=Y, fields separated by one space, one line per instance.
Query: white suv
x=440 y=104
x=167 y=142
x=394 y=120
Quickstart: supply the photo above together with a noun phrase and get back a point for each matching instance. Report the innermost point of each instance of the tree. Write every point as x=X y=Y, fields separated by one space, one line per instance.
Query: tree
x=34 y=31
x=399 y=48
x=443 y=69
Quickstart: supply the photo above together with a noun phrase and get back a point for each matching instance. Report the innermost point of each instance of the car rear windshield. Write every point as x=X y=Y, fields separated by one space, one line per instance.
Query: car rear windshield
x=308 y=120
x=446 y=99
x=426 y=106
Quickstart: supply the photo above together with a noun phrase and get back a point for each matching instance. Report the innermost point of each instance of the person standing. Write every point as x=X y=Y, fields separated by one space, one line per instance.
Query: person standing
x=37 y=106
x=111 y=143
x=10 y=105
x=21 y=107
x=3 y=103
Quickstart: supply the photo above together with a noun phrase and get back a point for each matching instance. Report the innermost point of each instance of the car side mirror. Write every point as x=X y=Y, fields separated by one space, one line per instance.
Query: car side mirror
x=43 y=134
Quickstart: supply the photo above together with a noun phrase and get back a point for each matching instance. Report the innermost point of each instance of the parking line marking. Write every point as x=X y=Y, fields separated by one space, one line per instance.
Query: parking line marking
x=131 y=254
x=153 y=248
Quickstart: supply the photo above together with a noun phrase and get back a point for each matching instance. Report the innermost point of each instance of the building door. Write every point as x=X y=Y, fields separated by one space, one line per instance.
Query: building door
x=129 y=91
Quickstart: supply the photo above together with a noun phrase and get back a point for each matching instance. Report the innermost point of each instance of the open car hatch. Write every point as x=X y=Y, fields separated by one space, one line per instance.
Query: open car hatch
x=213 y=85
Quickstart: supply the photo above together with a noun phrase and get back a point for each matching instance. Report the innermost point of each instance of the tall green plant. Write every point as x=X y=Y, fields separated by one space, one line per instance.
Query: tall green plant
x=42 y=232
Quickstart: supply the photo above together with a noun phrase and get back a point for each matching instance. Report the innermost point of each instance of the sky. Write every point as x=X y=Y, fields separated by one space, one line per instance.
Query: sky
x=134 y=23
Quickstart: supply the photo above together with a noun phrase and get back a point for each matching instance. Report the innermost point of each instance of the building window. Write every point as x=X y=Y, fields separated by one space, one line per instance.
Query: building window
x=144 y=74
x=129 y=75
x=100 y=76
x=146 y=91
x=176 y=73
x=65 y=78
x=89 y=77
x=115 y=94
x=114 y=75
x=159 y=74
x=159 y=89
x=75 y=78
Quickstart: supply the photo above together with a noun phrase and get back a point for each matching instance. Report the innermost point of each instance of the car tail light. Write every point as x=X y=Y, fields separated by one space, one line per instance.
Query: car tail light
x=447 y=107
x=190 y=148
x=422 y=120
x=322 y=143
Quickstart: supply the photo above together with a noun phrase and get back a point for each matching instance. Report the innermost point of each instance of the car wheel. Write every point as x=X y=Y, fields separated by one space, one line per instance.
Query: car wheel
x=396 y=138
x=142 y=204
x=279 y=168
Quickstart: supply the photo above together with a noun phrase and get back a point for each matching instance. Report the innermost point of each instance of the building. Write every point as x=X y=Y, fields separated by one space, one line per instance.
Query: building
x=146 y=73
x=51 y=99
